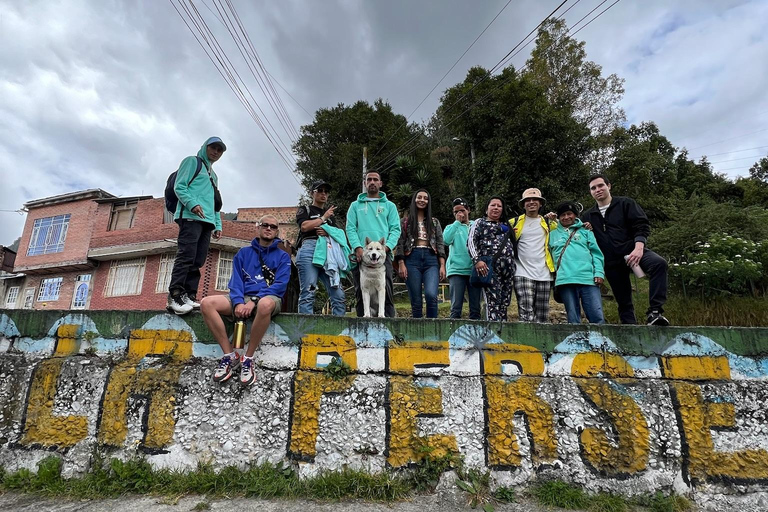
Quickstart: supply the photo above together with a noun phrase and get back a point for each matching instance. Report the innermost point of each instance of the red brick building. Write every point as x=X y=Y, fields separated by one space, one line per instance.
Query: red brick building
x=92 y=250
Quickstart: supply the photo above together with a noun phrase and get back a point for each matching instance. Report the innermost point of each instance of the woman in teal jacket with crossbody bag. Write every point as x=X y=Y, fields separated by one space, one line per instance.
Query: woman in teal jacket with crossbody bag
x=579 y=266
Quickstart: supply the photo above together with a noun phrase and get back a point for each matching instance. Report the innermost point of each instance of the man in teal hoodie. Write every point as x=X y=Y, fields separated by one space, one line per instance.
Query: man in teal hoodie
x=197 y=220
x=459 y=266
x=375 y=217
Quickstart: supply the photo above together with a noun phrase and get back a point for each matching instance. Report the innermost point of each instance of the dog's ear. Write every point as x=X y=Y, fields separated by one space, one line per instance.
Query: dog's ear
x=367 y=240
x=382 y=241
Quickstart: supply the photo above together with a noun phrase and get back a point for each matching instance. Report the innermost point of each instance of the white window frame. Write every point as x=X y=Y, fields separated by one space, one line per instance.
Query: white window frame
x=224 y=272
x=125 y=277
x=12 y=296
x=82 y=279
x=48 y=235
x=50 y=288
x=120 y=210
x=29 y=298
x=164 y=272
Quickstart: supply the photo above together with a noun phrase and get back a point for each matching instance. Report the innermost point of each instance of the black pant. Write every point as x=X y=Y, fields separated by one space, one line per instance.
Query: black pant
x=389 y=303
x=617 y=273
x=194 y=239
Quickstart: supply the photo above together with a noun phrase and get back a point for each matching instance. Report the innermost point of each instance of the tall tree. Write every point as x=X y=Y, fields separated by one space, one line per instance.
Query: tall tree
x=559 y=64
x=331 y=147
x=519 y=138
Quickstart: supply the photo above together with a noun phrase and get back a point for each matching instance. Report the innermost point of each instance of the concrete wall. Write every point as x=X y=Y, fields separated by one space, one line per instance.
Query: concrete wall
x=622 y=409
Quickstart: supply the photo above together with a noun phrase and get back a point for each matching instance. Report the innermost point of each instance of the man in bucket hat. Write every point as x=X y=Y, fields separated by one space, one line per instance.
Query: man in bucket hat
x=533 y=273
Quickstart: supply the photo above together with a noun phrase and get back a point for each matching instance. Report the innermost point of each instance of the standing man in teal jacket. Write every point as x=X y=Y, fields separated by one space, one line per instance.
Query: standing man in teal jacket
x=375 y=217
x=459 y=266
x=197 y=218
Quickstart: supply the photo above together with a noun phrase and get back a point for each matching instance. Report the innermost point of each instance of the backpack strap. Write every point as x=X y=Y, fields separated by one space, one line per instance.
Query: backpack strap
x=197 y=171
x=564 y=248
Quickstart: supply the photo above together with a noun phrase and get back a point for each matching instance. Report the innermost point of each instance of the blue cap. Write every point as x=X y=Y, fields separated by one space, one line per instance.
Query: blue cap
x=214 y=140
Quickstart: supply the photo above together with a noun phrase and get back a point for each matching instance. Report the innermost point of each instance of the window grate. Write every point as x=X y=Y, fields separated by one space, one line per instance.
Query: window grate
x=164 y=272
x=49 y=289
x=224 y=272
x=125 y=277
x=48 y=235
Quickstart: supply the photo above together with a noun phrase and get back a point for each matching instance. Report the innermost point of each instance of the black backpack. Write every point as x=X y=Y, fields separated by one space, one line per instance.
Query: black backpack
x=171 y=201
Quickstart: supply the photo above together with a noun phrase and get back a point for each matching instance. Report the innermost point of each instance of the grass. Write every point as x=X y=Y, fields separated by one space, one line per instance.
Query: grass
x=115 y=478
x=566 y=496
x=691 y=311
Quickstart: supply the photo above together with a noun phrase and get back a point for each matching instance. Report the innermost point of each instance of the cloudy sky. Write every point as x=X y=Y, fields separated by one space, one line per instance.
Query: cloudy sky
x=113 y=94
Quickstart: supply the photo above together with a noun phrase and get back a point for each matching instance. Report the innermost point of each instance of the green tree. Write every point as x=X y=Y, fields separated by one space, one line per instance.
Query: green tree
x=559 y=64
x=759 y=170
x=331 y=147
x=520 y=139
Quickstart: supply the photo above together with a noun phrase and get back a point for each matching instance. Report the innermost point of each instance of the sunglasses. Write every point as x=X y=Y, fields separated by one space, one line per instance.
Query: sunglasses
x=265 y=225
x=324 y=190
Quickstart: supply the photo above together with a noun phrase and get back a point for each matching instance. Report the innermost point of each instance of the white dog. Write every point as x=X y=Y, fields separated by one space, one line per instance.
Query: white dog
x=373 y=283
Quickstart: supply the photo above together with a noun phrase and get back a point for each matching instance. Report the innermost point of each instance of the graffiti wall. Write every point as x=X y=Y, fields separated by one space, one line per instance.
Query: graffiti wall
x=614 y=408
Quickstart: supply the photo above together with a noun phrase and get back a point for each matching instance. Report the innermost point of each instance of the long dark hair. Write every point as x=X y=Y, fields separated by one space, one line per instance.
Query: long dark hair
x=503 y=206
x=413 y=217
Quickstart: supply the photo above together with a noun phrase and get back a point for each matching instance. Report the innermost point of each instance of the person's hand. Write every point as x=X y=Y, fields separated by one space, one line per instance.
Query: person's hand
x=634 y=257
x=245 y=310
x=441 y=272
x=587 y=225
x=217 y=234
x=198 y=210
x=402 y=270
x=321 y=232
x=359 y=254
x=460 y=216
x=550 y=216
x=329 y=213
x=598 y=281
x=482 y=268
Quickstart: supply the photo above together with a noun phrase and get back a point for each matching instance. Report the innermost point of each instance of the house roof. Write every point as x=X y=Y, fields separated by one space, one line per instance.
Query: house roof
x=92 y=193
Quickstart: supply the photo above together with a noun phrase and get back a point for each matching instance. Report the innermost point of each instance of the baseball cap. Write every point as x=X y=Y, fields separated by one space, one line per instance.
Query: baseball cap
x=460 y=201
x=216 y=140
x=320 y=183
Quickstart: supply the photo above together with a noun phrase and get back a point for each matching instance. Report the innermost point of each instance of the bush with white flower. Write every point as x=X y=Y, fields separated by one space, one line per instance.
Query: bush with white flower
x=722 y=264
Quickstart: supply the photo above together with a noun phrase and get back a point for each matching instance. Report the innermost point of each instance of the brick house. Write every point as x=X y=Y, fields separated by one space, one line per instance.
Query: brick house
x=93 y=250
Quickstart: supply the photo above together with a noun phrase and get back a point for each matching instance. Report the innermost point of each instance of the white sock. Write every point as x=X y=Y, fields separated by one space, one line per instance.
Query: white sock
x=247 y=358
x=232 y=355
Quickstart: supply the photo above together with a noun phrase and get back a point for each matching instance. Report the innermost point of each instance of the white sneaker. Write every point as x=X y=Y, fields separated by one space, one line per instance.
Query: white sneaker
x=178 y=305
x=246 y=372
x=190 y=301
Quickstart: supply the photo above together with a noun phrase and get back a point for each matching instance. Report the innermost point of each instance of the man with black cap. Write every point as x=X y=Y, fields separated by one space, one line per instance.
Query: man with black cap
x=198 y=217
x=533 y=272
x=312 y=220
x=459 y=265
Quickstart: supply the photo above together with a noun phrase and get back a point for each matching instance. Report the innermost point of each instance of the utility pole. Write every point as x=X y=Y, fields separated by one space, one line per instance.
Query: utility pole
x=474 y=174
x=365 y=166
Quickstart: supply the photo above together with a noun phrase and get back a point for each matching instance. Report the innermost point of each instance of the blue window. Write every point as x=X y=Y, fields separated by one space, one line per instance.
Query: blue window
x=49 y=289
x=48 y=235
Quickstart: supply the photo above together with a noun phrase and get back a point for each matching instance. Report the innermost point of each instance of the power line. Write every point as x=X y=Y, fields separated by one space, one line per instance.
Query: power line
x=440 y=81
x=388 y=164
x=758 y=157
x=385 y=161
x=223 y=64
x=728 y=140
x=730 y=152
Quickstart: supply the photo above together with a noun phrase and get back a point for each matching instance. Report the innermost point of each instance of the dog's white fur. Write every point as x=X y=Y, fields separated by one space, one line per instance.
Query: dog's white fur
x=373 y=282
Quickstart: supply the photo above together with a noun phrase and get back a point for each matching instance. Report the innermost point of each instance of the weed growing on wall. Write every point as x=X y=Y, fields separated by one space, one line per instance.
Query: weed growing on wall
x=560 y=494
x=337 y=369
x=425 y=475
x=477 y=487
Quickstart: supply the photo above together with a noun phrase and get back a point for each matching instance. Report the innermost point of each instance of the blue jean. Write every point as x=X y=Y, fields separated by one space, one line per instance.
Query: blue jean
x=423 y=269
x=588 y=296
x=460 y=284
x=308 y=276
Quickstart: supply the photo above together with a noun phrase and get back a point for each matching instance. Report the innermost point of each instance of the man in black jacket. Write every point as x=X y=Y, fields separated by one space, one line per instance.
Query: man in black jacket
x=622 y=229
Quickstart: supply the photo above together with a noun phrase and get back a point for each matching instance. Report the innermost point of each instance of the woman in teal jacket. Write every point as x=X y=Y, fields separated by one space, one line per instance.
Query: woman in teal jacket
x=579 y=266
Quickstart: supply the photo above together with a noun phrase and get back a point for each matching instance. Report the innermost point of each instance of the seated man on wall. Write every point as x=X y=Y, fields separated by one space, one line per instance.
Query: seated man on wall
x=260 y=275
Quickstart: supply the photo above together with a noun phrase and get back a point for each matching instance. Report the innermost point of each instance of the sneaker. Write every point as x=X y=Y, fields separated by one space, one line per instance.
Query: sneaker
x=191 y=300
x=246 y=372
x=656 y=318
x=178 y=305
x=227 y=366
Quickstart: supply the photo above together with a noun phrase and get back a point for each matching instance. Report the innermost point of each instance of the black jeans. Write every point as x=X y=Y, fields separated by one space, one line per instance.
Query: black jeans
x=194 y=239
x=617 y=274
x=389 y=302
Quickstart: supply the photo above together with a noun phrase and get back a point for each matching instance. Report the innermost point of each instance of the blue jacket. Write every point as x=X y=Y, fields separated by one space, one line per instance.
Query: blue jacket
x=248 y=278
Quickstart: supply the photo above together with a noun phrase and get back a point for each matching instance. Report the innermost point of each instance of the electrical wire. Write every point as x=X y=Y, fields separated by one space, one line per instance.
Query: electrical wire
x=386 y=166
